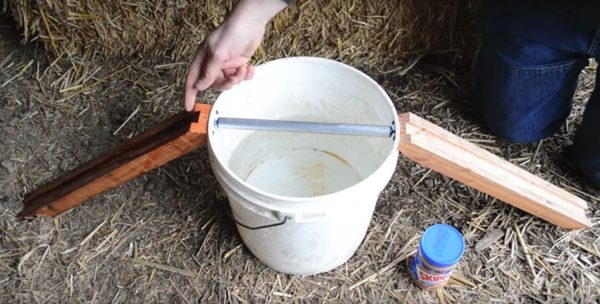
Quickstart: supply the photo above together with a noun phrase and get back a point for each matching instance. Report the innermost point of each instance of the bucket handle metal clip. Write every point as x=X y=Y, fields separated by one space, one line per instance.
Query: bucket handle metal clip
x=285 y=219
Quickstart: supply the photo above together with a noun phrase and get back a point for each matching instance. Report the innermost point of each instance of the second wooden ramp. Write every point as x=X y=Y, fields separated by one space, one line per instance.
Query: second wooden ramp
x=455 y=157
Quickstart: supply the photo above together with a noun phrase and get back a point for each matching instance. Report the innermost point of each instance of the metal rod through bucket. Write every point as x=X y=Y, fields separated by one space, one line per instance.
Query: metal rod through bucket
x=305 y=127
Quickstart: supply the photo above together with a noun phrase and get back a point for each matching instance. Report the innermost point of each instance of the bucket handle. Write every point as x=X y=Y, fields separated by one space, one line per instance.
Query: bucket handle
x=256 y=227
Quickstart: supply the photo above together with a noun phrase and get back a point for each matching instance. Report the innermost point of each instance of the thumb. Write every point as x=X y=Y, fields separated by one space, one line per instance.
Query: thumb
x=236 y=62
x=210 y=72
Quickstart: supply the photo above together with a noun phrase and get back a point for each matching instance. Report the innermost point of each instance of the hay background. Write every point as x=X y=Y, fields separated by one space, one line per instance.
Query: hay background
x=57 y=112
x=364 y=31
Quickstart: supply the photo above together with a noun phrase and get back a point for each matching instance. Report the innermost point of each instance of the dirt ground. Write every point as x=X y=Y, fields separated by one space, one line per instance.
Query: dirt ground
x=55 y=115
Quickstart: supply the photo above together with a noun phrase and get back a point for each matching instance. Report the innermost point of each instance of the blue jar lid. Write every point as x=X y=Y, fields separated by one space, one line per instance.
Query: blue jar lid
x=442 y=245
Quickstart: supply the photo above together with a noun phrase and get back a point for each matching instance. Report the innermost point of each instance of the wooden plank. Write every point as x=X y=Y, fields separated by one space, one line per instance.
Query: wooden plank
x=490 y=157
x=492 y=169
x=168 y=140
x=562 y=218
x=457 y=158
x=107 y=156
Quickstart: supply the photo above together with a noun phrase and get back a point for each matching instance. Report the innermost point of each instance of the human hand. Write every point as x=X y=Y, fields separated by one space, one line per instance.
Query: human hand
x=222 y=58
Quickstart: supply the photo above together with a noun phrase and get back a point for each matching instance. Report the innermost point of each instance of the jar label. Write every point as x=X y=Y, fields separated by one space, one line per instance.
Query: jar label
x=429 y=279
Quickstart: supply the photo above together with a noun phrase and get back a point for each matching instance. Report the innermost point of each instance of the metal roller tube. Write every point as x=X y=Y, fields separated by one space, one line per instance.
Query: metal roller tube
x=305 y=127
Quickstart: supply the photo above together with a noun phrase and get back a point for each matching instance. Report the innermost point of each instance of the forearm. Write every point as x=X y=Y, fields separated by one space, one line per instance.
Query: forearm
x=259 y=11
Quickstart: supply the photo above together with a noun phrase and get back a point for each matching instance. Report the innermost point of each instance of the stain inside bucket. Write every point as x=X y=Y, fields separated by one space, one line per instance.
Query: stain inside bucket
x=313 y=173
x=303 y=172
x=293 y=168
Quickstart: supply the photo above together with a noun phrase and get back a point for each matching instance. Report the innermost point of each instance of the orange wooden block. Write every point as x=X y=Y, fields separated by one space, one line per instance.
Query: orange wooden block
x=169 y=140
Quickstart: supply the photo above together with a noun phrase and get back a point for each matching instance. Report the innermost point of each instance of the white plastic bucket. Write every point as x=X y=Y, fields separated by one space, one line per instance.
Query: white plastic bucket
x=323 y=187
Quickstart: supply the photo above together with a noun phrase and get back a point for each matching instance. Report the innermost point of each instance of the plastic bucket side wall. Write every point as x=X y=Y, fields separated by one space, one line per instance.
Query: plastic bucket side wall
x=323 y=231
x=313 y=243
x=309 y=242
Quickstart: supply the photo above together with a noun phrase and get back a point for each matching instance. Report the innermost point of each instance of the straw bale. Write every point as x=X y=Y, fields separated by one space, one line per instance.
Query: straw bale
x=377 y=32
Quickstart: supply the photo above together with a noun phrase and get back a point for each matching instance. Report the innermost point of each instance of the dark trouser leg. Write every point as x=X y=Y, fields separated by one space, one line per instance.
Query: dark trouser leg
x=586 y=149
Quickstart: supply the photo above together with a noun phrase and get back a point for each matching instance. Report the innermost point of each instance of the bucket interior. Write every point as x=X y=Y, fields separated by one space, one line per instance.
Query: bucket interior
x=300 y=164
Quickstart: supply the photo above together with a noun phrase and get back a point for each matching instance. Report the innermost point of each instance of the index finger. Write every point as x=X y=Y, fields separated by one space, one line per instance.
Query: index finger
x=191 y=79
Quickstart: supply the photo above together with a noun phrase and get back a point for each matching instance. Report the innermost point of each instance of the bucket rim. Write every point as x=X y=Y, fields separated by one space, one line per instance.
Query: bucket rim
x=308 y=199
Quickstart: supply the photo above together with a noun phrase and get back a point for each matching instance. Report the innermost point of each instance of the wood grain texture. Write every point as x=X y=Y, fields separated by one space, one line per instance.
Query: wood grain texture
x=166 y=141
x=446 y=153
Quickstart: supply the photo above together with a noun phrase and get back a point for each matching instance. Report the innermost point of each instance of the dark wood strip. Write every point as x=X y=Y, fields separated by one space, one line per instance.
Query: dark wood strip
x=112 y=160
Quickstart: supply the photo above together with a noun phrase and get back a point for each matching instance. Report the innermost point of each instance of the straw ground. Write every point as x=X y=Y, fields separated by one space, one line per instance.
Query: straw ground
x=165 y=238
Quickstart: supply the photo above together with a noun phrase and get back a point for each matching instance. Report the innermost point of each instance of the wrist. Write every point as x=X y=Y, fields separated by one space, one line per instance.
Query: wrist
x=257 y=12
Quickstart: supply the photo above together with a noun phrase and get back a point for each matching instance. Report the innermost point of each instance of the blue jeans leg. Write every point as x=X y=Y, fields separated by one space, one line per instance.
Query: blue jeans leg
x=527 y=68
x=526 y=104
x=527 y=72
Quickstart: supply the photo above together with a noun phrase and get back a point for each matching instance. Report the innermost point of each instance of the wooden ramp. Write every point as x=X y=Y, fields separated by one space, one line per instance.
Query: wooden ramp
x=168 y=140
x=448 y=154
